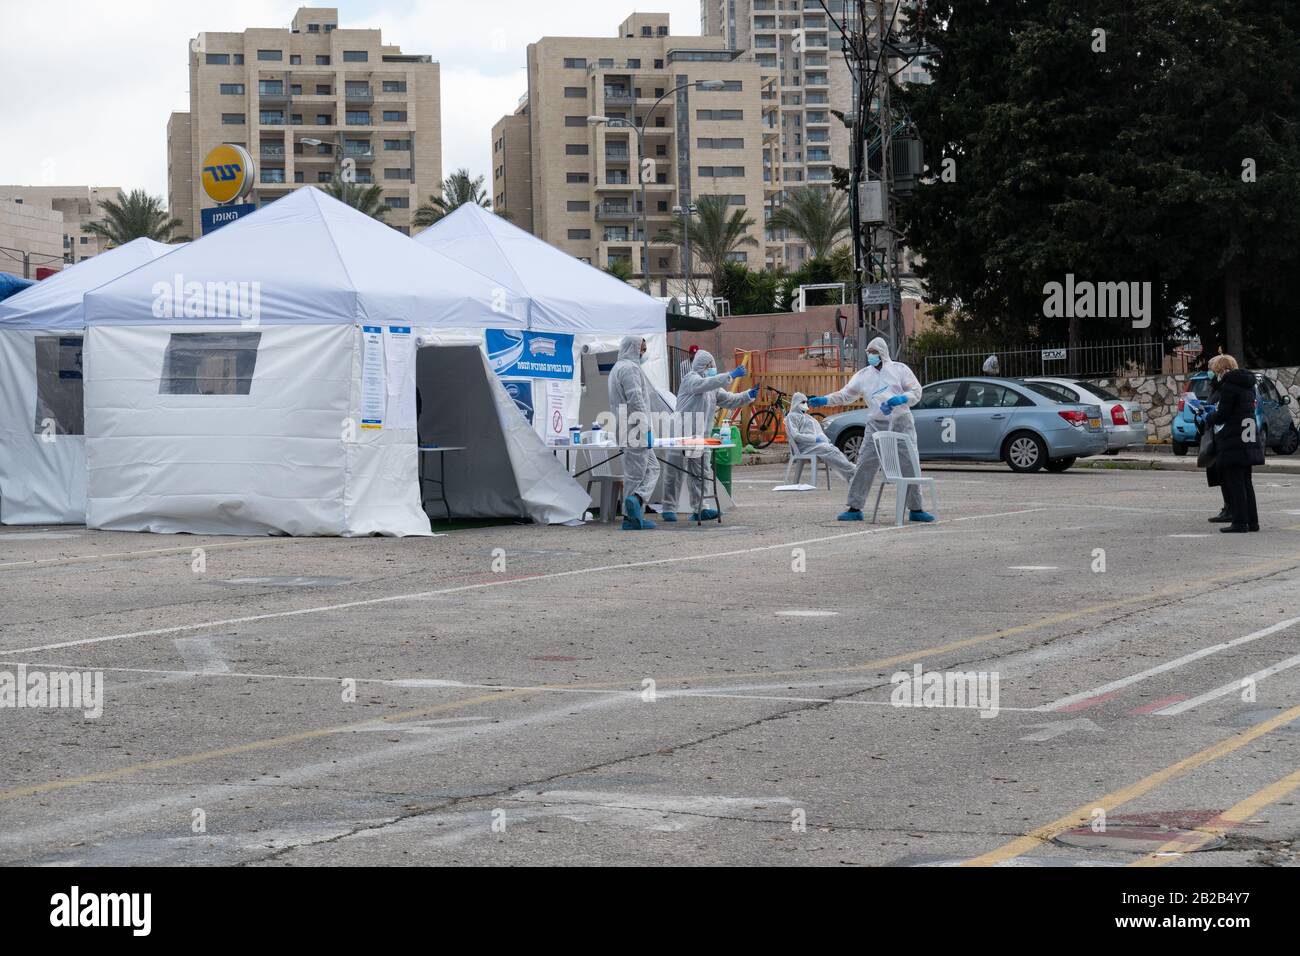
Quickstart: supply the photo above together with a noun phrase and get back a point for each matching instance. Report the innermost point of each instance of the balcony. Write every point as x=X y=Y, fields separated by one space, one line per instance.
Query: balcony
x=272 y=95
x=358 y=96
x=618 y=96
x=614 y=154
x=615 y=212
x=273 y=153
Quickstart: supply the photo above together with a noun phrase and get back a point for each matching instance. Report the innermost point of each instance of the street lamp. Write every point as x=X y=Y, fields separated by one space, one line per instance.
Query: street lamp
x=641 y=158
x=336 y=147
x=687 y=214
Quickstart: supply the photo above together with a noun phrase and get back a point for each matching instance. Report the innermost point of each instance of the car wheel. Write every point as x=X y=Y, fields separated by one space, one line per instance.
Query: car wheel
x=1025 y=452
x=1058 y=465
x=1111 y=451
x=1180 y=448
x=851 y=443
x=1290 y=443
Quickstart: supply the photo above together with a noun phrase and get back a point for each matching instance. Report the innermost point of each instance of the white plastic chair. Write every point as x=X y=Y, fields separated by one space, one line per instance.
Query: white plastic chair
x=815 y=458
x=887 y=453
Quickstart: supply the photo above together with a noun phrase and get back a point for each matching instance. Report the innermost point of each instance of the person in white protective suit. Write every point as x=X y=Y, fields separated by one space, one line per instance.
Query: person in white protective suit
x=702 y=392
x=629 y=400
x=804 y=435
x=889 y=389
x=991 y=365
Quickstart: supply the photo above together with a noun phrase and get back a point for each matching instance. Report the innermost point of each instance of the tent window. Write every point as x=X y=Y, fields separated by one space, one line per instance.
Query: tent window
x=209 y=363
x=59 y=409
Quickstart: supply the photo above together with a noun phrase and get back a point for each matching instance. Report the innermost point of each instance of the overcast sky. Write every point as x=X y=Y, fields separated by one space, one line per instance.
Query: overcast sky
x=86 y=86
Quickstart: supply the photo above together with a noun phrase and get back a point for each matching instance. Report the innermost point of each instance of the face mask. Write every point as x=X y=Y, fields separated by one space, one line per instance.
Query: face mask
x=801 y=407
x=873 y=360
x=710 y=372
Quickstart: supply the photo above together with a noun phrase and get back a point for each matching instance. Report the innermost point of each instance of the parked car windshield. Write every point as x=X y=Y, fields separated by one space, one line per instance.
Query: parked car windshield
x=1105 y=394
x=1200 y=387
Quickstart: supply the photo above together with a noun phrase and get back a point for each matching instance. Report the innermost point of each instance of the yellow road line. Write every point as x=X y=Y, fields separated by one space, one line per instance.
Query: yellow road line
x=1221 y=824
x=105 y=776
x=1083 y=815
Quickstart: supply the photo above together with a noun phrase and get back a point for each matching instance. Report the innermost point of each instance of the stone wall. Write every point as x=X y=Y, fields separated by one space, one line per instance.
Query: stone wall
x=1159 y=395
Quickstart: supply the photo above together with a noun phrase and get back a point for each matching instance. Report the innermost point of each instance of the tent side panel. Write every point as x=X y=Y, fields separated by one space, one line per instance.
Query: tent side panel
x=42 y=470
x=217 y=430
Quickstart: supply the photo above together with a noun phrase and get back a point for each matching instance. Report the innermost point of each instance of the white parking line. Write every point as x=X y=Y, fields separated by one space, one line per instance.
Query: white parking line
x=149 y=552
x=482 y=585
x=1230 y=688
x=1168 y=666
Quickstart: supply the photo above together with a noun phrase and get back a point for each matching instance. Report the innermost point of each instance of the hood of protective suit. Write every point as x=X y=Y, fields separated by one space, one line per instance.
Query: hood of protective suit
x=799 y=402
x=881 y=346
x=630 y=348
x=702 y=362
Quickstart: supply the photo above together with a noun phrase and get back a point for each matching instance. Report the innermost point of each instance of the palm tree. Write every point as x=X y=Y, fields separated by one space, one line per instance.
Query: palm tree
x=820 y=217
x=620 y=269
x=134 y=215
x=363 y=197
x=457 y=190
x=716 y=231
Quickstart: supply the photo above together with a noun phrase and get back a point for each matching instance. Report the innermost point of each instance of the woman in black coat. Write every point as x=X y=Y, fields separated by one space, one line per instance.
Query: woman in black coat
x=1212 y=476
x=1236 y=441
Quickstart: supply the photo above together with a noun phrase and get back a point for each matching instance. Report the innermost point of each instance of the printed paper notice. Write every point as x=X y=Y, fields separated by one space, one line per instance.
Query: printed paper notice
x=374 y=391
x=556 y=425
x=399 y=355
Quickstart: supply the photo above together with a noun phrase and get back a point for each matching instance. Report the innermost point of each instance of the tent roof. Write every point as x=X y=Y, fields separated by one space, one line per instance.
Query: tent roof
x=566 y=294
x=307 y=259
x=55 y=303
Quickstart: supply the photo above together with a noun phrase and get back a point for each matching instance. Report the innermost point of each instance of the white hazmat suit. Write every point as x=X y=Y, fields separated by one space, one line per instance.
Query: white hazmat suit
x=630 y=395
x=804 y=435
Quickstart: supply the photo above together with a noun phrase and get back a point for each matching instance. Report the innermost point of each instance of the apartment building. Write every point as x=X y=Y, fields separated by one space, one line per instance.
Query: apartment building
x=580 y=188
x=75 y=206
x=269 y=90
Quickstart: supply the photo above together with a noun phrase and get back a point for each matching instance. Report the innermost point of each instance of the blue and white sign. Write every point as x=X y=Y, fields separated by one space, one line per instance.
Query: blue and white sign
x=522 y=395
x=530 y=354
x=214 y=217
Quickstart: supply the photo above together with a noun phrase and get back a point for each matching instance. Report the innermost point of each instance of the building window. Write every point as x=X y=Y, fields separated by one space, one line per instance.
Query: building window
x=271 y=86
x=355 y=56
x=575 y=92
x=579 y=205
x=322 y=119
x=399 y=145
x=705 y=142
x=633 y=64
x=209 y=363
x=397 y=202
x=397 y=173
x=732 y=86
x=663 y=205
x=232 y=89
x=272 y=175
x=325 y=176
x=295 y=119
x=719 y=114
x=394 y=86
x=268 y=118
x=575 y=149
x=645 y=32
x=313 y=28
x=59 y=396
x=85 y=240
x=270 y=55
x=576 y=178
x=295 y=59
x=737 y=257
x=295 y=89
x=659 y=64
x=575 y=121
x=239 y=59
x=323 y=89
x=575 y=63
x=579 y=233
x=394 y=116
x=217 y=59
x=358 y=118
x=232 y=119
x=711 y=172
x=322 y=59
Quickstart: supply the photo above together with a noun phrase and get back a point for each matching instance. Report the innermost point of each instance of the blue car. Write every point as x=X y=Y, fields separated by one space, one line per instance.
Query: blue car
x=1277 y=431
x=1025 y=424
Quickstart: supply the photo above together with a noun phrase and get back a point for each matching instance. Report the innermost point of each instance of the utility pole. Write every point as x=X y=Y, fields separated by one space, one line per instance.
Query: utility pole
x=889 y=247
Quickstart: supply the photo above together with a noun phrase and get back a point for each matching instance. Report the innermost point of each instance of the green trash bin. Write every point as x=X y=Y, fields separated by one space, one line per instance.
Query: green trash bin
x=724 y=458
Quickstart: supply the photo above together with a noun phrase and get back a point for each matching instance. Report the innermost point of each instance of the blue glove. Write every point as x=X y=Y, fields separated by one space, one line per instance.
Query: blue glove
x=1209 y=409
x=886 y=408
x=897 y=400
x=752 y=393
x=738 y=372
x=822 y=440
x=816 y=402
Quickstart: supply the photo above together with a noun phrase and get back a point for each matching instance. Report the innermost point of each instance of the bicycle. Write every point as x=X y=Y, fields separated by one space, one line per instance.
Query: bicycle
x=767 y=422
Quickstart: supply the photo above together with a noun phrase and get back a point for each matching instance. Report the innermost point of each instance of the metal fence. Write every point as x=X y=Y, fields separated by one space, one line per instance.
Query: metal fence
x=1108 y=359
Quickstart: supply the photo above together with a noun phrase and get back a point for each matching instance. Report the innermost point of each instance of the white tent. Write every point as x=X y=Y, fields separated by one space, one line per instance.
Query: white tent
x=262 y=379
x=42 y=448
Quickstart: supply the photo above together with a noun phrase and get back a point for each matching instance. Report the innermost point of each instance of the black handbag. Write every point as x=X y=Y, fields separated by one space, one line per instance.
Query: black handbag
x=1208 y=453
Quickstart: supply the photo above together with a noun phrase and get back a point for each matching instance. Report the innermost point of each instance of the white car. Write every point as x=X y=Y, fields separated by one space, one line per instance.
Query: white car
x=1124 y=422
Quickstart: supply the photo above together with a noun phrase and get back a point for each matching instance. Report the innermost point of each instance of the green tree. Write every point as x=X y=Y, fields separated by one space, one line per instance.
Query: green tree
x=716 y=231
x=457 y=189
x=747 y=291
x=135 y=215
x=620 y=269
x=364 y=197
x=820 y=217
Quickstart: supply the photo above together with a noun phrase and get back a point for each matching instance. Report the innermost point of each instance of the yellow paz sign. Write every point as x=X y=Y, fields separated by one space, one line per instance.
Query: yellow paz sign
x=227 y=173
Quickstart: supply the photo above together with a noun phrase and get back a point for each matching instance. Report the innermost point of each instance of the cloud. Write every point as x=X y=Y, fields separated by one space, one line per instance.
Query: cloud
x=86 y=87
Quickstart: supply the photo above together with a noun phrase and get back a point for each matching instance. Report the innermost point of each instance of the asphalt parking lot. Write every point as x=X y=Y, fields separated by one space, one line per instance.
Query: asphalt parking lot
x=520 y=694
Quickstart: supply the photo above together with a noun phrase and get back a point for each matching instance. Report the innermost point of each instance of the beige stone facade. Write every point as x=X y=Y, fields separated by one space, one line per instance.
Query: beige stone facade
x=582 y=186
x=74 y=206
x=372 y=106
x=31 y=237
